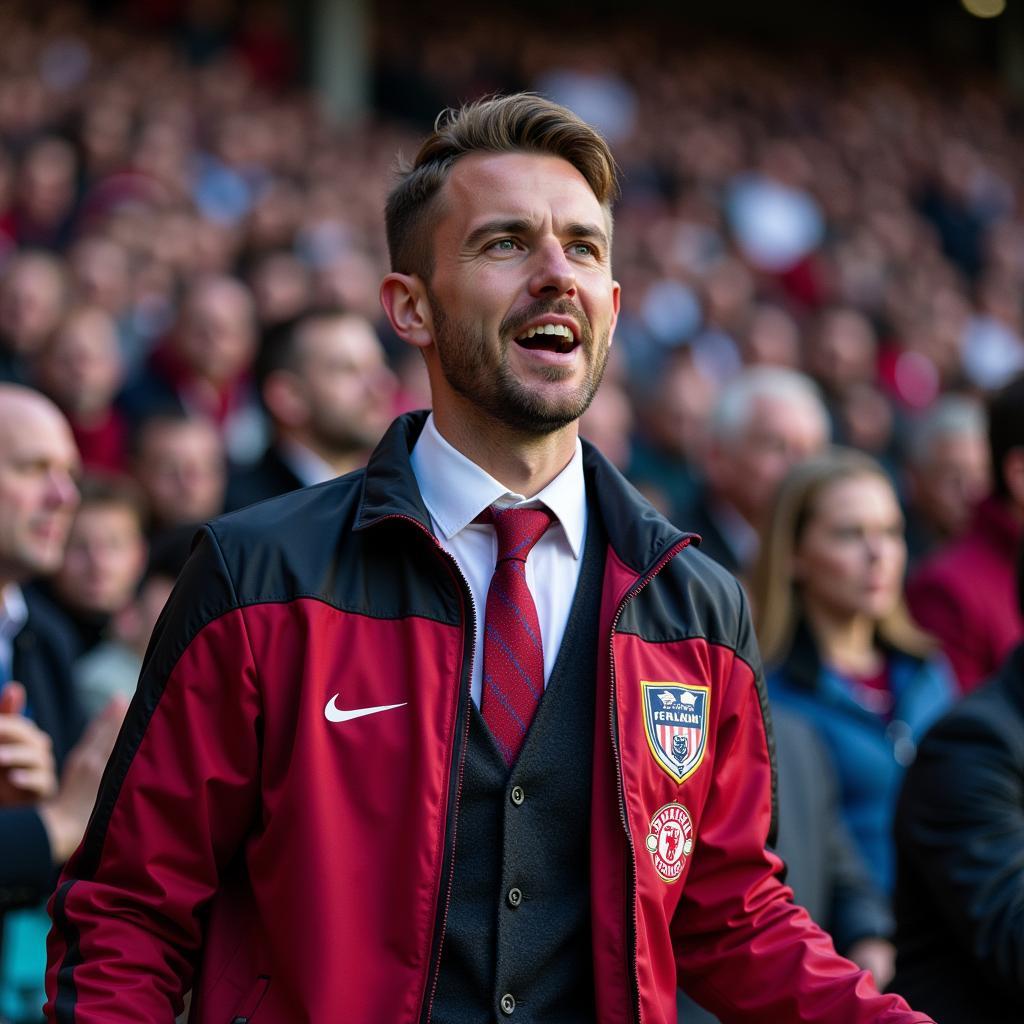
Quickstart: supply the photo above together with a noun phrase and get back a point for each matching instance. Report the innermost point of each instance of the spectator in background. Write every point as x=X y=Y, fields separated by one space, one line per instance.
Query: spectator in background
x=81 y=369
x=766 y=419
x=204 y=365
x=39 y=822
x=46 y=194
x=608 y=423
x=105 y=556
x=960 y=841
x=33 y=293
x=330 y=396
x=38 y=496
x=281 y=287
x=838 y=643
x=948 y=472
x=113 y=667
x=103 y=277
x=673 y=421
x=180 y=463
x=964 y=594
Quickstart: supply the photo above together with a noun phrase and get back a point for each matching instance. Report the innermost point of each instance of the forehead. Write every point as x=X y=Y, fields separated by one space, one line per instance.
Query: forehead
x=347 y=335
x=515 y=186
x=862 y=493
x=30 y=431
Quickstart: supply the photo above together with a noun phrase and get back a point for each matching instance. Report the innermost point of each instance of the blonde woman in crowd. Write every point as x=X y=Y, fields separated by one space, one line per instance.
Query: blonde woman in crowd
x=838 y=642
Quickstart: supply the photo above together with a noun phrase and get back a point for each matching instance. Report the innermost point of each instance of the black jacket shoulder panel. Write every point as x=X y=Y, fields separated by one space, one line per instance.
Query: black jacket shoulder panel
x=309 y=543
x=692 y=596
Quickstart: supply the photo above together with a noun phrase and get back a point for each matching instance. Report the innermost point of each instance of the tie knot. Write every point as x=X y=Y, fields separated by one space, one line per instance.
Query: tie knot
x=518 y=529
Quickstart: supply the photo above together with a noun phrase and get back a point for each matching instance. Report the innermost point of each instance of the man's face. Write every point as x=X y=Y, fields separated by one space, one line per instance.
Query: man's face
x=522 y=296
x=778 y=434
x=81 y=367
x=952 y=480
x=348 y=387
x=38 y=495
x=181 y=468
x=106 y=554
x=216 y=337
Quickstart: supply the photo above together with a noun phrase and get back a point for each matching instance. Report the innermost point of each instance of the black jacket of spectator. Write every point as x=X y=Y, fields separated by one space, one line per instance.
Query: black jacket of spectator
x=44 y=651
x=269 y=477
x=960 y=875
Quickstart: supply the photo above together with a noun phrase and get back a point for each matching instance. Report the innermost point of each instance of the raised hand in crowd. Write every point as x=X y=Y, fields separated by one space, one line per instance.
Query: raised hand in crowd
x=27 y=767
x=67 y=813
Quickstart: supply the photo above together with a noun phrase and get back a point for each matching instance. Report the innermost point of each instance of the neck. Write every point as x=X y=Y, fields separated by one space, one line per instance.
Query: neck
x=845 y=642
x=340 y=461
x=524 y=463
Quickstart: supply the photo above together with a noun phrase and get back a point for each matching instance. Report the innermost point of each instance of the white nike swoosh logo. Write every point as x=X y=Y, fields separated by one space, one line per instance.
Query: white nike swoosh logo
x=335 y=714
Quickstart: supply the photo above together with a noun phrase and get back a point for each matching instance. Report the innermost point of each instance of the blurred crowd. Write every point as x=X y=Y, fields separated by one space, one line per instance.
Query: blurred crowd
x=812 y=251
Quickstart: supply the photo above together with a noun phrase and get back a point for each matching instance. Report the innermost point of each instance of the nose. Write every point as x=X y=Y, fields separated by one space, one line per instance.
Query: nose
x=553 y=275
x=63 y=491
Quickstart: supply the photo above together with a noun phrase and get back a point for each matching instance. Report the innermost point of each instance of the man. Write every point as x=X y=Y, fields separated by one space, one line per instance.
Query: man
x=960 y=840
x=40 y=822
x=33 y=294
x=766 y=419
x=948 y=472
x=329 y=393
x=964 y=594
x=104 y=560
x=180 y=464
x=332 y=781
x=203 y=366
x=38 y=497
x=81 y=369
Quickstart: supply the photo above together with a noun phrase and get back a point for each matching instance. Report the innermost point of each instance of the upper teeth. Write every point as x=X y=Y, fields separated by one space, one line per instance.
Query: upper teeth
x=565 y=332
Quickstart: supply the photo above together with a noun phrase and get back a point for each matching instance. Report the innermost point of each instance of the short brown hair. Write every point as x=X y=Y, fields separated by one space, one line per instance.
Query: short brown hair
x=523 y=122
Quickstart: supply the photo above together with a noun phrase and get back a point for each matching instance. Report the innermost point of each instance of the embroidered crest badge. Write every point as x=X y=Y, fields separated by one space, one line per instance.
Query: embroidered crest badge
x=676 y=723
x=670 y=841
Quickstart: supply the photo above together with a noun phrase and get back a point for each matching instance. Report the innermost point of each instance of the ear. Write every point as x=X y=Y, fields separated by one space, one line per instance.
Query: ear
x=282 y=394
x=616 y=300
x=405 y=302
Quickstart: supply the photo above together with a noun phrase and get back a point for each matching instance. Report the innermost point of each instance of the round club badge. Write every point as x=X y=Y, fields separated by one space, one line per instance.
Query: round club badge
x=671 y=840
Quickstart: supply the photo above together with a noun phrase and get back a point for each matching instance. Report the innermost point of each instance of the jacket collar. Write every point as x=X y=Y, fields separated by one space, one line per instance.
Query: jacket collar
x=638 y=534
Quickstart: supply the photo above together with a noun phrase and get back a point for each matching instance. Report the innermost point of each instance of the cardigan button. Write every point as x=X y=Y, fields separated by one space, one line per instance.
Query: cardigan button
x=515 y=897
x=517 y=796
x=507 y=1004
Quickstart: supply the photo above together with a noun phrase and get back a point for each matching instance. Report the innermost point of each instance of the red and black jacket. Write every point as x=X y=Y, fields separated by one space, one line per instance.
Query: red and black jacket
x=292 y=869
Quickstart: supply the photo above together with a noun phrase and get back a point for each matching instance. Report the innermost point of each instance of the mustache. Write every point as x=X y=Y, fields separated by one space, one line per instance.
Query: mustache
x=514 y=325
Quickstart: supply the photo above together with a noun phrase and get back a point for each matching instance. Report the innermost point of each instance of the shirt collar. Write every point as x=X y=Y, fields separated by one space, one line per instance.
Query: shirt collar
x=305 y=463
x=456 y=490
x=13 y=612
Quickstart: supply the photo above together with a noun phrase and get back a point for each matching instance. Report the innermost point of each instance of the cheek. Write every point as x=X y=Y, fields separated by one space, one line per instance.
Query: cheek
x=826 y=567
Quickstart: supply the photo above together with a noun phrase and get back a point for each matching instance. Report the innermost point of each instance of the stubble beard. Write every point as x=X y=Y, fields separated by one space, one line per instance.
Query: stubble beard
x=489 y=383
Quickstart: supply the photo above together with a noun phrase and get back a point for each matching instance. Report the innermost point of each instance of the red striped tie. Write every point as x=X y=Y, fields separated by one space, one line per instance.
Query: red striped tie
x=513 y=653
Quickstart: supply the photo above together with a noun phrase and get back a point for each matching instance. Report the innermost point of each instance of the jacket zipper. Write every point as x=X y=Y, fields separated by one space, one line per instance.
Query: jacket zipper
x=631 y=918
x=458 y=766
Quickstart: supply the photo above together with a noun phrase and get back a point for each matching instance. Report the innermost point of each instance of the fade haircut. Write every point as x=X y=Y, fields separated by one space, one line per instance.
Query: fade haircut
x=521 y=123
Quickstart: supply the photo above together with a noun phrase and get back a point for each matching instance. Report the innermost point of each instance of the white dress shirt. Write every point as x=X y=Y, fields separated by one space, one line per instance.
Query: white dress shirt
x=13 y=616
x=456 y=490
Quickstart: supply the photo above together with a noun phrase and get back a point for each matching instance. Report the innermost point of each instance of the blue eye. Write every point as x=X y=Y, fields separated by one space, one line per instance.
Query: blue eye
x=583 y=249
x=505 y=245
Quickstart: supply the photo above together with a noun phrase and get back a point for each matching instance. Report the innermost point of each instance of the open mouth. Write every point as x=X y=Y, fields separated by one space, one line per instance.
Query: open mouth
x=548 y=338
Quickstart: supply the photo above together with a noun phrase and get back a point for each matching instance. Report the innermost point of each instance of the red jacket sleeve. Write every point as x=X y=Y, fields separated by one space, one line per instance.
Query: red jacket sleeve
x=178 y=796
x=743 y=948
